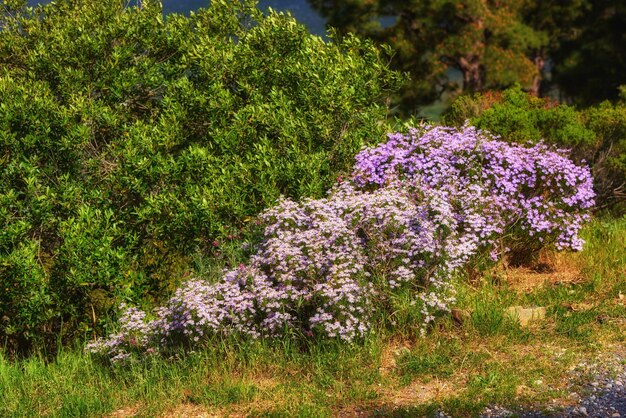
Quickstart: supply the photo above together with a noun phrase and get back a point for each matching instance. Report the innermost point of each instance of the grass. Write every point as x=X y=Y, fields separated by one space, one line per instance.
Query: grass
x=461 y=367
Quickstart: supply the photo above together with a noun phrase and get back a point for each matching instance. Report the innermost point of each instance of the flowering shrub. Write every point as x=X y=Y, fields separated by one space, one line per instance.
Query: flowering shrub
x=597 y=133
x=417 y=209
x=526 y=197
x=321 y=267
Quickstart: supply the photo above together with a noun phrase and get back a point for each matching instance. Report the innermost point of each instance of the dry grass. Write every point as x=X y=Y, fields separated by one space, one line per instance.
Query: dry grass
x=187 y=410
x=553 y=269
x=129 y=411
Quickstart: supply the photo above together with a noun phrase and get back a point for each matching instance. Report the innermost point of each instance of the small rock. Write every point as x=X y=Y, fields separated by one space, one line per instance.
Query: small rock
x=526 y=315
x=582 y=410
x=615 y=415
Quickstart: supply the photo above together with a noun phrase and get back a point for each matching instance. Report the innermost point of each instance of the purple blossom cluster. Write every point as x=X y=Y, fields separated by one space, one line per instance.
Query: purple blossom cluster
x=418 y=208
x=518 y=193
x=320 y=269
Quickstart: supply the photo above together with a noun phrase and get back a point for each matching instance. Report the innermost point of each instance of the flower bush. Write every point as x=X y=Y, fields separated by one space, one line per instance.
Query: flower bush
x=417 y=209
x=524 y=197
x=597 y=133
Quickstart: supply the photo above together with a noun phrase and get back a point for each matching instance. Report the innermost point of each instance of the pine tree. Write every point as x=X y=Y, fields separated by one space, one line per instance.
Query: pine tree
x=488 y=41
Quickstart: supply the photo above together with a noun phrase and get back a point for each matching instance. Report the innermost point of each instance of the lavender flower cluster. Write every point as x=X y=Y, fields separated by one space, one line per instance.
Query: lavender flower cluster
x=526 y=193
x=417 y=209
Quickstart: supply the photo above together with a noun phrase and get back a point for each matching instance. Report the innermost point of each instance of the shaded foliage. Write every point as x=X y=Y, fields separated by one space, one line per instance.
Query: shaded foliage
x=590 y=61
x=575 y=46
x=488 y=42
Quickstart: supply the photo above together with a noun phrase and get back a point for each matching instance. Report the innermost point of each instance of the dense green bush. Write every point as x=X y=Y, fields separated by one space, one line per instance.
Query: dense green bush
x=608 y=122
x=520 y=117
x=596 y=134
x=129 y=143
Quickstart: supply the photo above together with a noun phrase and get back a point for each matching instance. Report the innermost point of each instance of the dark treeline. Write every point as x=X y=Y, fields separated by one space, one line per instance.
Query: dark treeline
x=576 y=47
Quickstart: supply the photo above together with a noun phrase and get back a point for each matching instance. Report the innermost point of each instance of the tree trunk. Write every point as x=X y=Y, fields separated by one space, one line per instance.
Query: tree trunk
x=471 y=63
x=472 y=73
x=535 y=89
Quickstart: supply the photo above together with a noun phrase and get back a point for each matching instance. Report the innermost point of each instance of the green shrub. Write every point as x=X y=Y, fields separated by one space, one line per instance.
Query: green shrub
x=608 y=122
x=520 y=117
x=596 y=135
x=129 y=143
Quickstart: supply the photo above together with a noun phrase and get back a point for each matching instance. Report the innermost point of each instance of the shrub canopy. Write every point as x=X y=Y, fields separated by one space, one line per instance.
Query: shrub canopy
x=129 y=141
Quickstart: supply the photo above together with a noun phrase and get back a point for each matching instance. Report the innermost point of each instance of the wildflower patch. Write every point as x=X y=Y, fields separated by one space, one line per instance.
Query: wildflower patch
x=417 y=210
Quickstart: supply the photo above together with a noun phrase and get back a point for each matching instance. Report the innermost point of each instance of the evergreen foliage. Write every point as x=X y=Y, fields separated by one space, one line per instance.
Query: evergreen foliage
x=129 y=142
x=488 y=42
x=576 y=46
x=590 y=60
